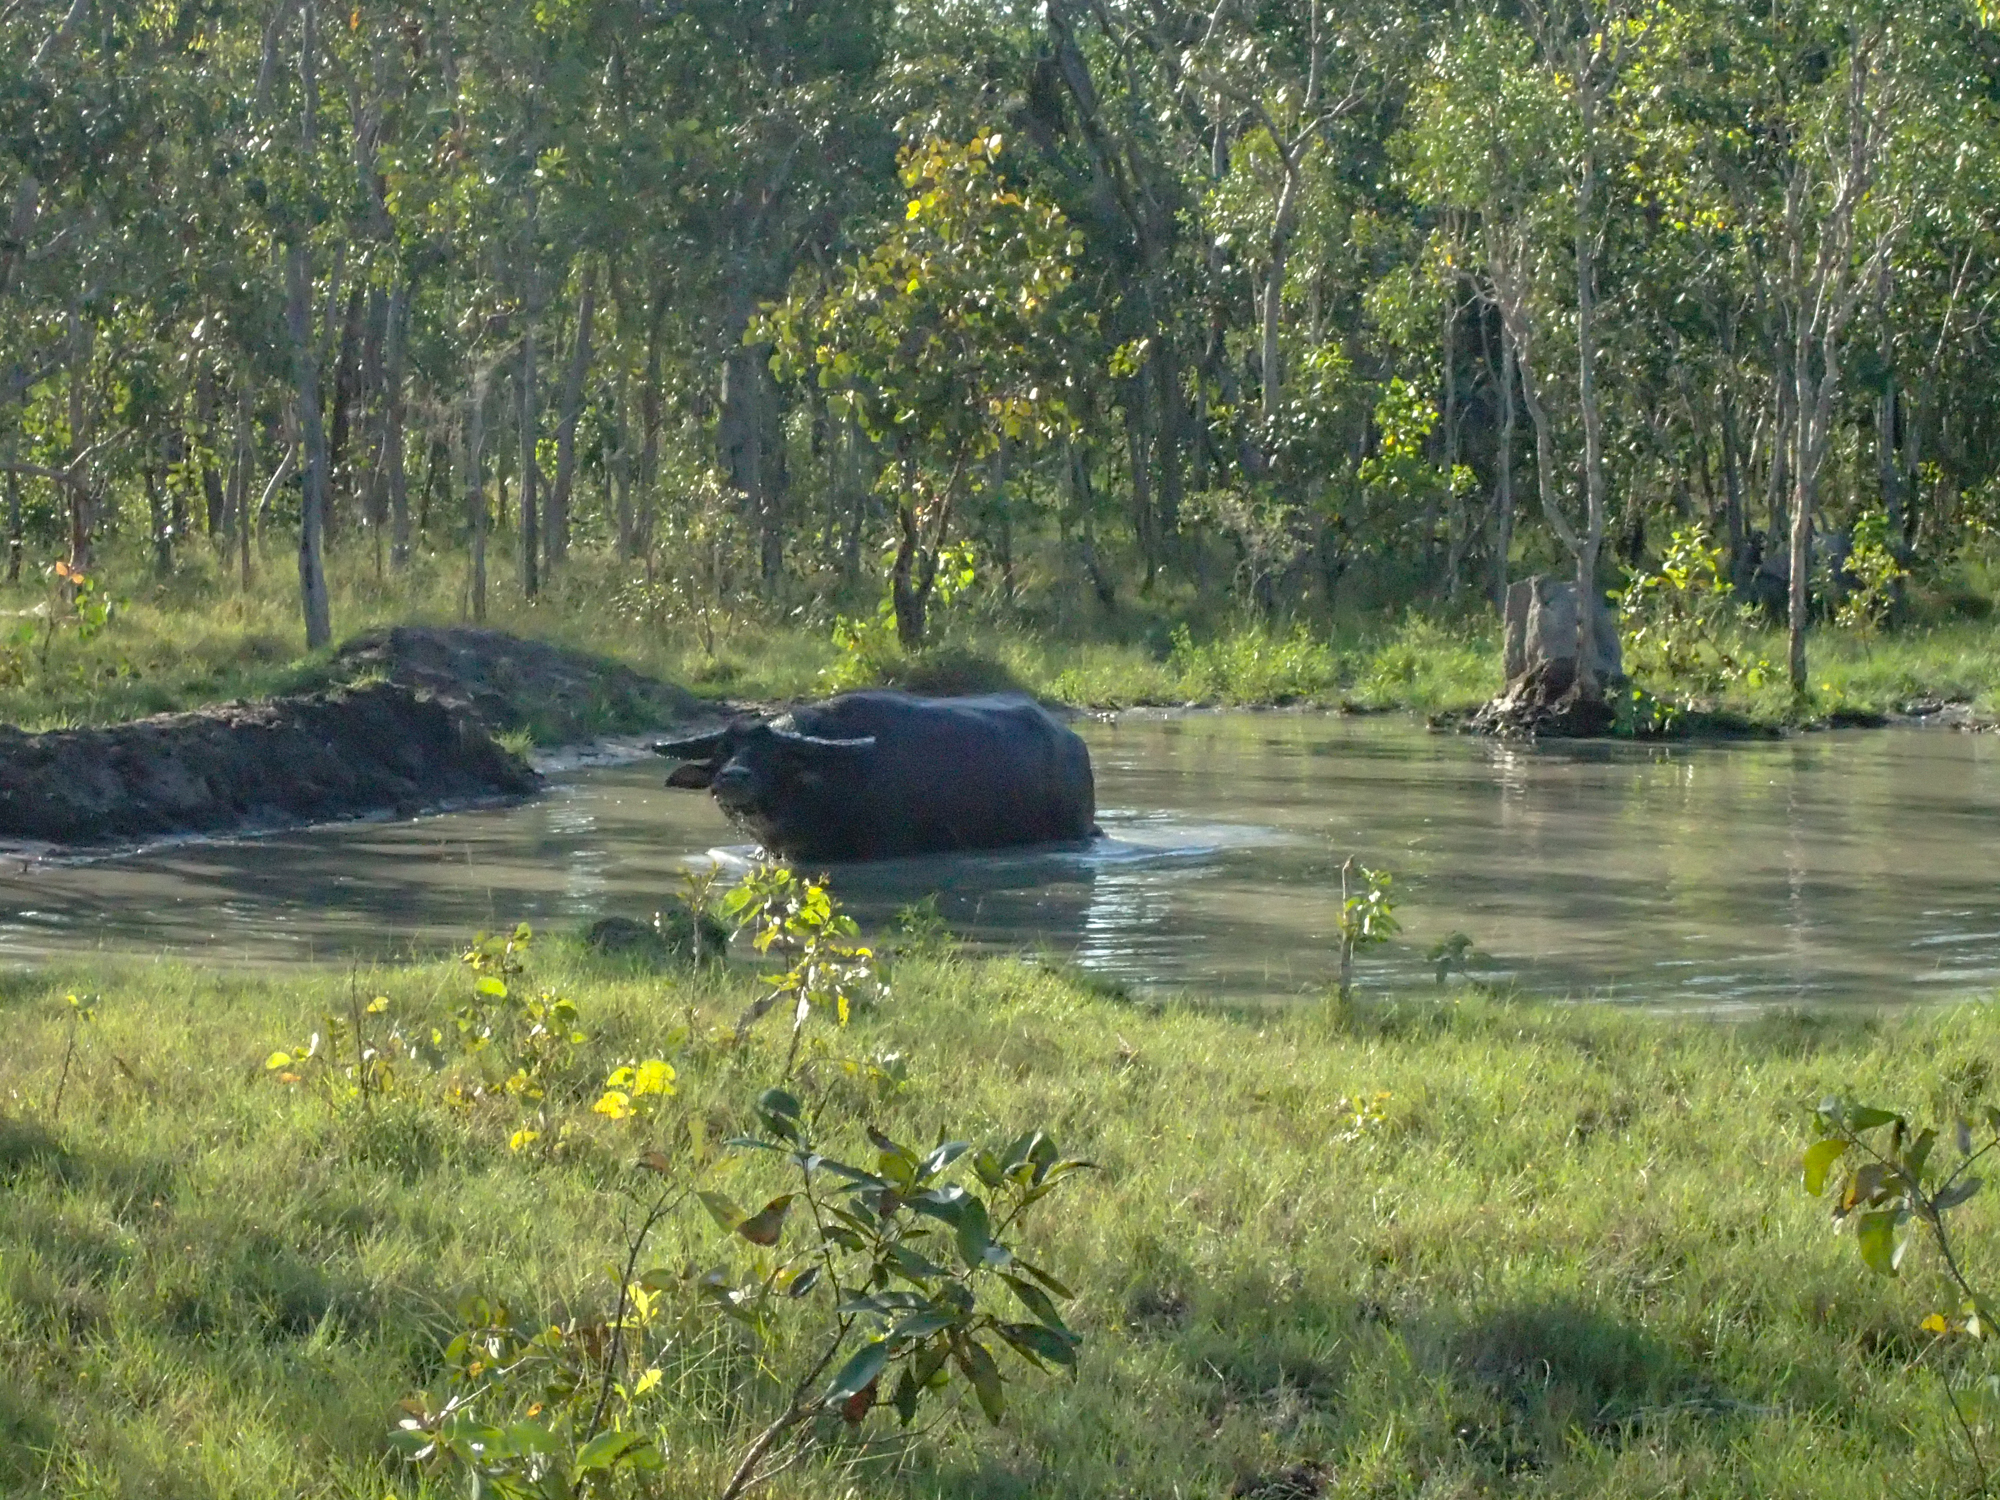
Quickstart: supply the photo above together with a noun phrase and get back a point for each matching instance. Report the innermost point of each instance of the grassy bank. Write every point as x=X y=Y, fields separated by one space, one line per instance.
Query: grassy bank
x=197 y=638
x=1450 y=1250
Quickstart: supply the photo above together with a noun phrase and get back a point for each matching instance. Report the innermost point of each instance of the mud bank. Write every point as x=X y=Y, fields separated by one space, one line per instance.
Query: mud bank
x=336 y=754
x=407 y=724
x=504 y=683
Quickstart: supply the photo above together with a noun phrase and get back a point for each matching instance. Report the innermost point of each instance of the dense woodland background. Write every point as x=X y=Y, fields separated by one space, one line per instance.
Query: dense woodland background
x=1276 y=307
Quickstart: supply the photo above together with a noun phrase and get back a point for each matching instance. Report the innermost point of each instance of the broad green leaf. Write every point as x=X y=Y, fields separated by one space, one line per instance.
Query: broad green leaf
x=921 y=1326
x=1046 y=1279
x=1820 y=1157
x=977 y=1363
x=780 y=1113
x=722 y=1208
x=1875 y=1233
x=1864 y=1117
x=1039 y=1342
x=859 y=1372
x=1956 y=1193
x=974 y=1233
x=905 y=1398
x=605 y=1450
x=942 y=1157
x=1036 y=1301
x=916 y=1267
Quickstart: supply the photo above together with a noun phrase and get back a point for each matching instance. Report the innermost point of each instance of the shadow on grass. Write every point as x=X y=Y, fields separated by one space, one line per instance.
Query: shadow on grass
x=29 y=1429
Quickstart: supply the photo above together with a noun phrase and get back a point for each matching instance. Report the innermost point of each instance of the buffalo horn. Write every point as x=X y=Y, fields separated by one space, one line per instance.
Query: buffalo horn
x=819 y=742
x=697 y=747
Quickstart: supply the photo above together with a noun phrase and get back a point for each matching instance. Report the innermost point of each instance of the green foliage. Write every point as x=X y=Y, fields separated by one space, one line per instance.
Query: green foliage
x=1682 y=624
x=1889 y=1182
x=1876 y=572
x=916 y=1263
x=1254 y=666
x=74 y=602
x=1367 y=916
x=907 y=1273
x=798 y=922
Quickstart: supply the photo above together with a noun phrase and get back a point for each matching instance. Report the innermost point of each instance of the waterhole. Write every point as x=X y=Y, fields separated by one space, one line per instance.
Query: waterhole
x=1837 y=869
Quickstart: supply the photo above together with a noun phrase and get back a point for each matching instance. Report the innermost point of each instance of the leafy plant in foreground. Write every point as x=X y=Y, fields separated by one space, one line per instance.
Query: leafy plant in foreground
x=82 y=1011
x=1367 y=917
x=341 y=1059
x=798 y=920
x=908 y=1263
x=905 y=1273
x=1886 y=1180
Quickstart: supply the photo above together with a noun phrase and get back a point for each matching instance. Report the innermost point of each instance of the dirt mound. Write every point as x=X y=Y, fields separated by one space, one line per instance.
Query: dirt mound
x=506 y=683
x=379 y=747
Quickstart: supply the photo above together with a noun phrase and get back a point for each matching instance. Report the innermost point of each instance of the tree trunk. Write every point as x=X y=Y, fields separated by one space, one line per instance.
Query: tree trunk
x=204 y=420
x=530 y=421
x=1732 y=485
x=1587 y=685
x=1461 y=522
x=395 y=339
x=571 y=412
x=1139 y=456
x=906 y=592
x=1503 y=486
x=82 y=506
x=856 y=493
x=650 y=413
x=915 y=571
x=157 y=523
x=240 y=518
x=1169 y=439
x=746 y=433
x=347 y=391
x=313 y=510
x=375 y=506
x=15 y=539
x=620 y=464
x=475 y=494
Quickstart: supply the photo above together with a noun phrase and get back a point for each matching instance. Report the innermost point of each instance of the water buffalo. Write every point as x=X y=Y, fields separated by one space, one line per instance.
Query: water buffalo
x=873 y=775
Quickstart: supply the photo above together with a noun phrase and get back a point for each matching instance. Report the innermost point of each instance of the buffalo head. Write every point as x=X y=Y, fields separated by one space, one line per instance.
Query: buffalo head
x=760 y=773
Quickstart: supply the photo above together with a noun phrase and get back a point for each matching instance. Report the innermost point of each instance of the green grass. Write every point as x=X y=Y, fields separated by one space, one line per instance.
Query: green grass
x=196 y=638
x=1880 y=672
x=1571 y=1257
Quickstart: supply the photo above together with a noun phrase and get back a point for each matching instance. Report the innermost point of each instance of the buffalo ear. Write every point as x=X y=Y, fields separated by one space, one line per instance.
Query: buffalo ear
x=694 y=776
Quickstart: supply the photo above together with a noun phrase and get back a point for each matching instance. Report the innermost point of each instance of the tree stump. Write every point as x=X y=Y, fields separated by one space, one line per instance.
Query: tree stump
x=1542 y=696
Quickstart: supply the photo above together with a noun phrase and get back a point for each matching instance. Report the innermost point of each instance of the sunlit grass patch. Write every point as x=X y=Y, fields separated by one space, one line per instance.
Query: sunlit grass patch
x=1567 y=1250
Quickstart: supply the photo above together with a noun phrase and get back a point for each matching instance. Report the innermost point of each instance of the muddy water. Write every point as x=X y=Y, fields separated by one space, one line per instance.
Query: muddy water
x=1852 y=868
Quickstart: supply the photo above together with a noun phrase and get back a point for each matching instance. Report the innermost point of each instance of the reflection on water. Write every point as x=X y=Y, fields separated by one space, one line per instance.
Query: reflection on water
x=1833 y=868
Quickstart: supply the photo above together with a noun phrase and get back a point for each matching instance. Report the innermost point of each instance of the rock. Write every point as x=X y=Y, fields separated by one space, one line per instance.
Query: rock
x=677 y=934
x=373 y=748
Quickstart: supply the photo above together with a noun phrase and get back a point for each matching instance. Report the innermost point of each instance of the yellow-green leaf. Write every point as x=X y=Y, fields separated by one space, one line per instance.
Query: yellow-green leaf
x=1819 y=1161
